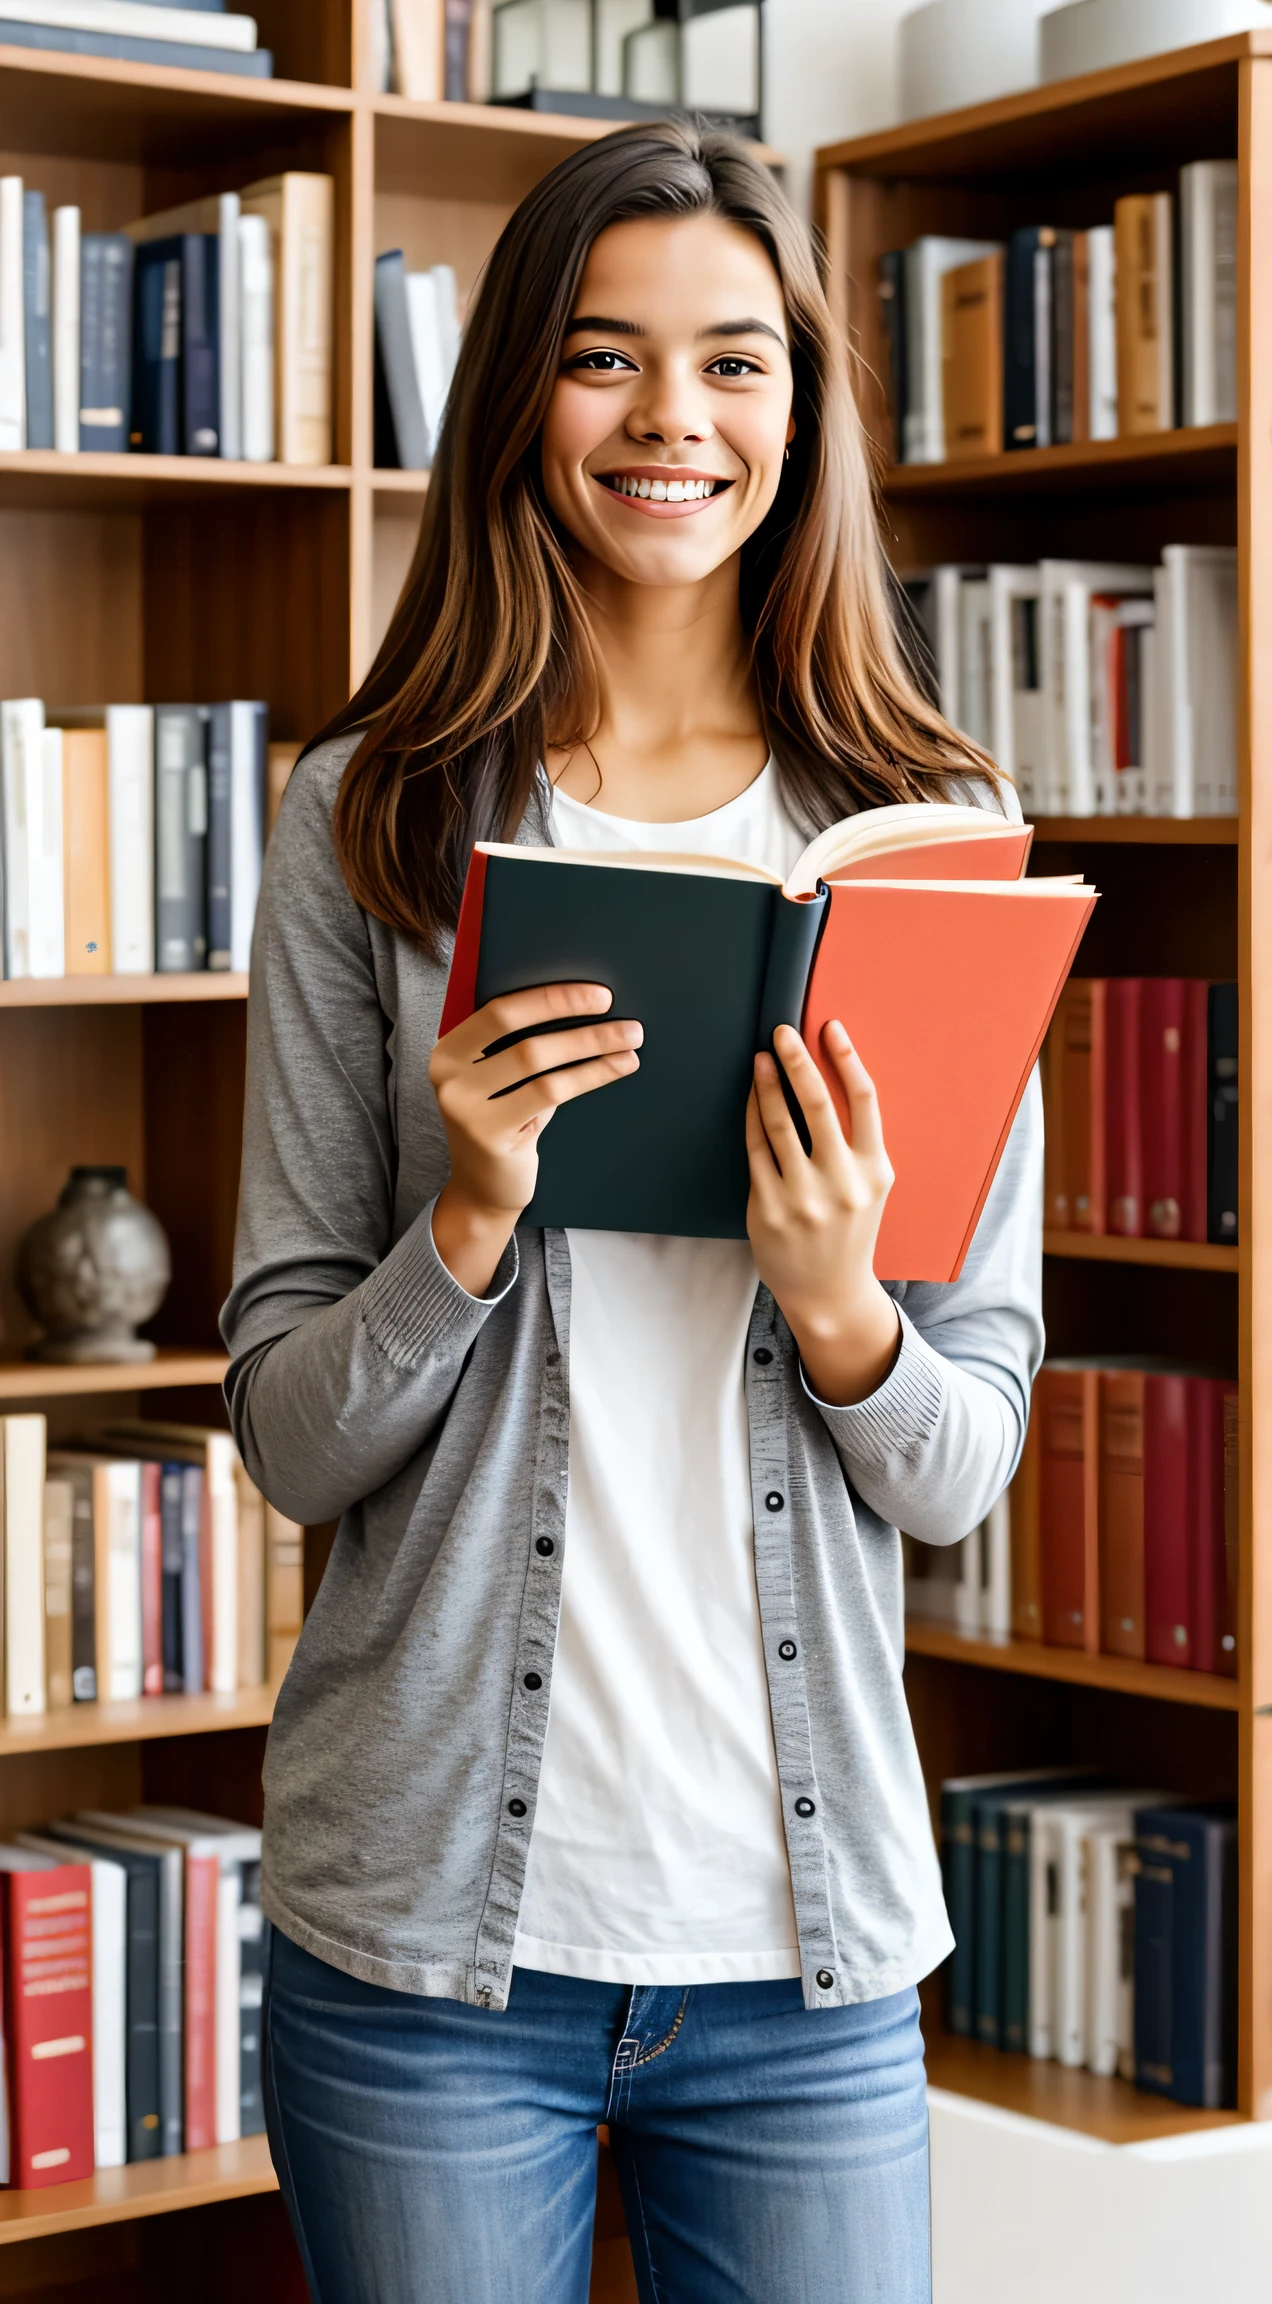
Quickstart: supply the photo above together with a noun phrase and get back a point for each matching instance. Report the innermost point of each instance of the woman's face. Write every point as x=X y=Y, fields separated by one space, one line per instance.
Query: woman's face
x=664 y=437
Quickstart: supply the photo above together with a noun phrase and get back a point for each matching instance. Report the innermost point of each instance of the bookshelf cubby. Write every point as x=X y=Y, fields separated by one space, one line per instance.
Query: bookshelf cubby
x=1179 y=898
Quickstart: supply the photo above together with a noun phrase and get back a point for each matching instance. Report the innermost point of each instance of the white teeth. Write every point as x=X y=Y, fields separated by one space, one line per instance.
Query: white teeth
x=676 y=491
x=642 y=487
x=658 y=491
x=665 y=491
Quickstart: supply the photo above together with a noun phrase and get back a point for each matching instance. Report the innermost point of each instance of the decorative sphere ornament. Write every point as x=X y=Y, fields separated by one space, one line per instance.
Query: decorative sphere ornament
x=92 y=1270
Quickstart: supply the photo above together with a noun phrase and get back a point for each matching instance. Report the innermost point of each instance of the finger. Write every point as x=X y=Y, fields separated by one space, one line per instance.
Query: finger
x=766 y=1179
x=539 y=1099
x=774 y=1111
x=863 y=1103
x=518 y=1011
x=493 y=1076
x=813 y=1096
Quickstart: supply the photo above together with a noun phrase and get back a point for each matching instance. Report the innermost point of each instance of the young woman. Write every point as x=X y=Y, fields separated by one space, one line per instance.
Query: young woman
x=592 y=1795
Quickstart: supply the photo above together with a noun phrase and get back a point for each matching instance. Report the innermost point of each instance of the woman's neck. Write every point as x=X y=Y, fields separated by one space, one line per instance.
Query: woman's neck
x=679 y=731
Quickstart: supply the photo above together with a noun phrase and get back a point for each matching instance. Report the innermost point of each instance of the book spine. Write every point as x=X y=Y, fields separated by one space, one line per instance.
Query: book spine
x=1043 y=1902
x=1221 y=1151
x=1125 y=1149
x=256 y=263
x=171 y=2004
x=305 y=267
x=1026 y=1546
x=170 y=1491
x=1043 y=289
x=1102 y=308
x=110 y=2026
x=12 y=332
x=222 y=1504
x=393 y=337
x=141 y=2060
x=83 y=1592
x=417 y=48
x=1229 y=1594
x=284 y=1589
x=191 y=1579
x=249 y=772
x=1014 y=2012
x=106 y=271
x=251 y=2001
x=1162 y=1104
x=252 y=64
x=48 y=1942
x=1193 y=1093
x=36 y=294
x=59 y=1519
x=45 y=852
x=1081 y=357
x=21 y=737
x=1167 y=1580
x=1020 y=416
x=86 y=842
x=1063 y=338
x=892 y=308
x=181 y=817
x=1145 y=337
x=1068 y=1404
x=1208 y=1566
x=219 y=858
x=228 y=2008
x=23 y=1447
x=202 y=1879
x=1122 y=1513
x=958 y=1867
x=66 y=330
x=458 y=17
x=229 y=327
x=152 y=1681
x=123 y=1567
x=130 y=750
x=1082 y=1059
x=200 y=345
x=987 y=1832
x=155 y=427
x=252 y=1659
x=1103 y=1921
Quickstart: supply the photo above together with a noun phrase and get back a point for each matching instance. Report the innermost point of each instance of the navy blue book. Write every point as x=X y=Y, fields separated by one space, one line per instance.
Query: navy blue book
x=200 y=343
x=191 y=1584
x=106 y=274
x=960 y=1796
x=1221 y=1213
x=172 y=1546
x=1186 y=1954
x=220 y=852
x=35 y=318
x=1027 y=339
x=255 y=64
x=156 y=387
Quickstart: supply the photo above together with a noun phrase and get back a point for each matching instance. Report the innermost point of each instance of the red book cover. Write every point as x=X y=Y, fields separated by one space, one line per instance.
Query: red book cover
x=1167 y=1539
x=1231 y=1528
x=151 y=1581
x=1122 y=1512
x=49 y=2023
x=1078 y=1056
x=1067 y=1402
x=1211 y=1617
x=1195 y=1093
x=202 y=1877
x=1162 y=1104
x=1124 y=1159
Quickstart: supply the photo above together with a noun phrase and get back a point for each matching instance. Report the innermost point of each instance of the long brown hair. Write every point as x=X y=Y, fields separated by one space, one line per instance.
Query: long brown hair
x=488 y=661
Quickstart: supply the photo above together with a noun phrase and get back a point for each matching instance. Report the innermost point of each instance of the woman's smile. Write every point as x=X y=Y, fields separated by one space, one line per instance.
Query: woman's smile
x=665 y=491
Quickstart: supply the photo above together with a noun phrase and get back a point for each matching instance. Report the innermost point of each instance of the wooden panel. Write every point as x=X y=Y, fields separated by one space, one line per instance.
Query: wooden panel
x=311 y=39
x=70 y=1094
x=437 y=231
x=1099 y=1307
x=237 y=2248
x=1163 y=911
x=72 y=627
x=148 y=2188
x=1077 y=523
x=397 y=528
x=220 y=1774
x=147 y=115
x=77 y=2267
x=108 y=193
x=121 y=991
x=1160 y=1682
x=1039 y=2089
x=22 y=1379
x=193 y=1067
x=35 y=1786
x=1136 y=831
x=136 y=1721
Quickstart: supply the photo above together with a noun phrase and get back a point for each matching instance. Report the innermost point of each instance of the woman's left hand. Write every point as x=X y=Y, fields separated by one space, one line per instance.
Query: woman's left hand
x=813 y=1217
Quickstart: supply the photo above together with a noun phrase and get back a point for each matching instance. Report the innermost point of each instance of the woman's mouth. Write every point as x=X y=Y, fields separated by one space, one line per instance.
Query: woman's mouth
x=665 y=493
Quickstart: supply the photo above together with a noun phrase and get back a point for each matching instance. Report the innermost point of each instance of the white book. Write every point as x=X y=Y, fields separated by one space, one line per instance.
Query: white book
x=426 y=346
x=976 y=680
x=1109 y=1874
x=1125 y=626
x=66 y=330
x=1042 y=1895
x=1208 y=280
x=22 y=778
x=1016 y=717
x=118 y=1584
x=256 y=289
x=1067 y=587
x=943 y=1582
x=22 y=1451
x=996 y=1570
x=447 y=291
x=140 y=20
x=1102 y=311
x=219 y=1457
x=947 y=590
x=926 y=264
x=417 y=48
x=230 y=316
x=12 y=322
x=247 y=829
x=1068 y=1825
x=1193 y=768
x=48 y=918
x=110 y=1986
x=130 y=748
x=378 y=47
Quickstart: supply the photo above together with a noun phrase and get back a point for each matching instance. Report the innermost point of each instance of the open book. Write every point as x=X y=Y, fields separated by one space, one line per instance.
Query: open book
x=911 y=924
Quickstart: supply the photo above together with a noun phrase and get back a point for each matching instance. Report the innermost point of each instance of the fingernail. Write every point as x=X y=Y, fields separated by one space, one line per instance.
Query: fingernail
x=836 y=1030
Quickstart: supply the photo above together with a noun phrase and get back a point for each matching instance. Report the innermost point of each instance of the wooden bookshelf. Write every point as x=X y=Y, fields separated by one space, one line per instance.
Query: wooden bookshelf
x=148 y=2188
x=170 y=1370
x=1039 y=2089
x=1177 y=898
x=136 y=1721
x=122 y=991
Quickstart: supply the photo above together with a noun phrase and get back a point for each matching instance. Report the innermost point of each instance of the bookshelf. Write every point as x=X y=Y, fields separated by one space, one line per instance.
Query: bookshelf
x=1178 y=898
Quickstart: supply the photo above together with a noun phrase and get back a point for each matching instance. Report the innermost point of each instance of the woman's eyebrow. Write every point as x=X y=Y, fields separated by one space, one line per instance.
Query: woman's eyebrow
x=608 y=327
x=743 y=328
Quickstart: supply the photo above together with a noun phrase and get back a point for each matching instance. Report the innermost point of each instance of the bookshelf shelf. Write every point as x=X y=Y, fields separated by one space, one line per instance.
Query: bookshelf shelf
x=1200 y=457
x=390 y=483
x=122 y=991
x=1140 y=831
x=41 y=479
x=148 y=2188
x=1174 y=1255
x=169 y=1370
x=1029 y=1657
x=1110 y=2110
x=136 y=1722
x=149 y=114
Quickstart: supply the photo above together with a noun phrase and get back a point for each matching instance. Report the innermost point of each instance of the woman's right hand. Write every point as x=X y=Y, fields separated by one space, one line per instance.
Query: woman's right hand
x=495 y=1107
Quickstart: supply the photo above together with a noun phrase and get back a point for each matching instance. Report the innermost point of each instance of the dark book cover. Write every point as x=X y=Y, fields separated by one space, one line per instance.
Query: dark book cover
x=960 y=1796
x=181 y=828
x=35 y=320
x=405 y=411
x=252 y=1932
x=458 y=23
x=384 y=452
x=191 y=1578
x=892 y=309
x=200 y=344
x=156 y=379
x=1222 y=1118
x=1186 y=1954
x=170 y=1481
x=1062 y=337
x=220 y=857
x=252 y=64
x=1021 y=382
x=106 y=277
x=83 y=1585
x=141 y=2040
x=1001 y=1833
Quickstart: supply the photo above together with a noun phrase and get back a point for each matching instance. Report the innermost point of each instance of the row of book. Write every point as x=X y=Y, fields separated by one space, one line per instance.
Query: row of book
x=1140 y=1093
x=1101 y=688
x=431 y=49
x=203 y=331
x=416 y=347
x=199 y=37
x=1095 y=1924
x=140 y=1561
x=1056 y=335
x=133 y=835
x=616 y=59
x=133 y=1947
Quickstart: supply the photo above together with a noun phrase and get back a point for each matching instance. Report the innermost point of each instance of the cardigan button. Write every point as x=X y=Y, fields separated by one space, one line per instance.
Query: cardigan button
x=824 y=1979
x=762 y=1357
x=774 y=1500
x=545 y=1545
x=806 y=1808
x=788 y=1651
x=516 y=1807
x=532 y=1680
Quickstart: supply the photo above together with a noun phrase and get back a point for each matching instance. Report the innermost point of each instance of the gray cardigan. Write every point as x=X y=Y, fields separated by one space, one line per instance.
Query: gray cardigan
x=404 y=1755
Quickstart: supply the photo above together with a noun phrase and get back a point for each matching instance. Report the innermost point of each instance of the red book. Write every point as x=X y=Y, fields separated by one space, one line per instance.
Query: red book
x=48 y=2018
x=1122 y=1512
x=1076 y=1202
x=1231 y=1528
x=1195 y=1090
x=1211 y=1405
x=1162 y=1105
x=1124 y=1158
x=1168 y=1576
x=1066 y=1400
x=151 y=1582
x=202 y=1878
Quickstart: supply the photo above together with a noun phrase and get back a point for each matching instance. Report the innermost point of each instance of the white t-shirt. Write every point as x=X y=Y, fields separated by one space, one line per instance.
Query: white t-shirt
x=658 y=1854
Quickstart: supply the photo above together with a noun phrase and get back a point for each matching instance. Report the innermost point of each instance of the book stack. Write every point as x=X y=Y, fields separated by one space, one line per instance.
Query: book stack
x=133 y=835
x=431 y=49
x=1056 y=336
x=151 y=2043
x=200 y=37
x=1094 y=1924
x=1101 y=688
x=1140 y=1093
x=204 y=331
x=140 y=1561
x=416 y=347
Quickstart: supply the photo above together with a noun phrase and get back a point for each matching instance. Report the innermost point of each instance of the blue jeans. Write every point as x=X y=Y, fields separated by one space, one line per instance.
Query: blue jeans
x=432 y=2153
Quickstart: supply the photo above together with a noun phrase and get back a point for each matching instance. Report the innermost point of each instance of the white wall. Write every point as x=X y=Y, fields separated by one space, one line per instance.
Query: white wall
x=830 y=71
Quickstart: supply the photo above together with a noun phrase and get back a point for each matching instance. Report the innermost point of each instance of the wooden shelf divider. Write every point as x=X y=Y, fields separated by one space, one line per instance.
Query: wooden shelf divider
x=1038 y=1662
x=1171 y=1255
x=1040 y=2089
x=137 y=1721
x=1189 y=456
x=145 y=2188
x=22 y=1379
x=122 y=991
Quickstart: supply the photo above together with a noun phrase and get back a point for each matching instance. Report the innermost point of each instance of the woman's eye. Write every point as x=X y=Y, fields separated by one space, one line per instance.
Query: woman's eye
x=601 y=363
x=732 y=364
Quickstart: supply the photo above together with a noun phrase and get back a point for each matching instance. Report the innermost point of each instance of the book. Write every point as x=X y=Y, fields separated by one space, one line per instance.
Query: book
x=1121 y=641
x=1067 y=1826
x=155 y=425
x=181 y=826
x=145 y=2134
x=194 y=1642
x=892 y=313
x=256 y=325
x=200 y=344
x=66 y=330
x=1027 y=338
x=213 y=1454
x=1017 y=716
x=1109 y=1889
x=1167 y=1514
x=1023 y=1505
x=1142 y=226
x=299 y=209
x=1208 y=285
x=117 y=1836
x=959 y=1796
x=457 y=21
x=1081 y=348
x=237 y=738
x=151 y=1582
x=1193 y=1090
x=86 y=851
x=229 y=327
x=1186 y=1954
x=31 y=775
x=284 y=1590
x=140 y=20
x=403 y=442
x=972 y=358
x=173 y=1565
x=1221 y=1108
x=22 y=1453
x=201 y=1924
x=254 y=64
x=251 y=1671
x=417 y=48
x=216 y=1856
x=975 y=667
x=12 y=331
x=59 y=1520
x=1194 y=765
x=106 y=274
x=1068 y=590
x=1025 y=1983
x=1076 y=1080
x=109 y=1983
x=1161 y=1086
x=238 y=1847
x=1122 y=1511
x=78 y=1476
x=1102 y=331
x=1063 y=339
x=113 y=1495
x=1066 y=1402
x=1230 y=1595
x=48 y=2036
x=130 y=744
x=433 y=318
x=1124 y=1145
x=1211 y=1408
x=926 y=262
x=36 y=321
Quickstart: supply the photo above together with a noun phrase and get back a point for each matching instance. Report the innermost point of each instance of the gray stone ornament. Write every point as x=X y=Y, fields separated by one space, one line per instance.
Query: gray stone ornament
x=92 y=1270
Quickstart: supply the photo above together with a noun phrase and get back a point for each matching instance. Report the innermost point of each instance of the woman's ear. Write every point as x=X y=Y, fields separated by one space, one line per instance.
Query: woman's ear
x=790 y=431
